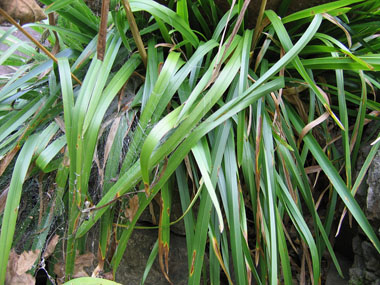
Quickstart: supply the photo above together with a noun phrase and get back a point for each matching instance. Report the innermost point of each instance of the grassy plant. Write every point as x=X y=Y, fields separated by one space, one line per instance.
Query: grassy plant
x=250 y=124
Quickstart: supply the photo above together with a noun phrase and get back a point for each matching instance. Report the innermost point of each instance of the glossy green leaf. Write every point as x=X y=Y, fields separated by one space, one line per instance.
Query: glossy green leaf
x=90 y=281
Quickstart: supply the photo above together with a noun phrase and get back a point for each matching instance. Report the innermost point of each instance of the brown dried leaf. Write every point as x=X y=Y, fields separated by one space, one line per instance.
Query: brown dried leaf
x=60 y=123
x=5 y=161
x=26 y=11
x=51 y=246
x=132 y=208
x=108 y=275
x=52 y=22
x=313 y=124
x=335 y=22
x=84 y=260
x=312 y=169
x=59 y=270
x=12 y=265
x=98 y=271
x=163 y=257
x=152 y=214
x=80 y=273
x=26 y=261
x=24 y=279
x=18 y=265
x=294 y=91
x=81 y=261
x=110 y=139
x=238 y=22
x=3 y=199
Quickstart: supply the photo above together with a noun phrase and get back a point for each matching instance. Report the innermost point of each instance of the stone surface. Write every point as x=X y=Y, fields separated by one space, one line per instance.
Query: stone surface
x=138 y=250
x=333 y=277
x=366 y=266
x=373 y=195
x=365 y=269
x=140 y=245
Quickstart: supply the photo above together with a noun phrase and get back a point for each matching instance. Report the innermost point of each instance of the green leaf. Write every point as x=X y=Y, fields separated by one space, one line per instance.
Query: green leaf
x=324 y=8
x=165 y=14
x=58 y=5
x=149 y=263
x=337 y=182
x=50 y=152
x=90 y=281
x=13 y=202
x=287 y=44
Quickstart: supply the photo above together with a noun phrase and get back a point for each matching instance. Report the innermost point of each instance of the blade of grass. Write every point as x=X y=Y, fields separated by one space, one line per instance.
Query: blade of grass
x=287 y=44
x=230 y=170
x=269 y=192
x=199 y=151
x=359 y=124
x=301 y=225
x=31 y=38
x=132 y=175
x=130 y=178
x=164 y=230
x=185 y=202
x=324 y=8
x=13 y=202
x=149 y=263
x=283 y=250
x=168 y=16
x=90 y=281
x=337 y=182
x=135 y=32
x=243 y=84
x=50 y=152
x=111 y=172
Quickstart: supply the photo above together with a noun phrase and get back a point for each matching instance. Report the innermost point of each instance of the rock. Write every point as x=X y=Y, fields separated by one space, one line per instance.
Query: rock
x=133 y=264
x=373 y=195
x=366 y=266
x=361 y=194
x=370 y=256
x=356 y=246
x=369 y=277
x=333 y=277
x=140 y=245
x=356 y=276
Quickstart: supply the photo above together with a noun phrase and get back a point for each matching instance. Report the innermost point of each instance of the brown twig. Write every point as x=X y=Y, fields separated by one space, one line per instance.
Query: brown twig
x=135 y=31
x=30 y=37
x=52 y=22
x=236 y=28
x=94 y=208
x=259 y=27
x=103 y=30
